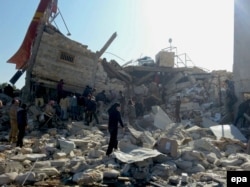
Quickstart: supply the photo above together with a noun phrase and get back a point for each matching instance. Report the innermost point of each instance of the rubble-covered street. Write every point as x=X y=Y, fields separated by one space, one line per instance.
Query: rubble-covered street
x=180 y=124
x=155 y=151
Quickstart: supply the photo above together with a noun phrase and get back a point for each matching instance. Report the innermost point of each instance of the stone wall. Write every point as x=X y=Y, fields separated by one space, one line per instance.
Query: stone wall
x=84 y=70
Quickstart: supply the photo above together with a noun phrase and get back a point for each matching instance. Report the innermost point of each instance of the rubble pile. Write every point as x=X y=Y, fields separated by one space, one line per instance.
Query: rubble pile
x=155 y=151
x=202 y=94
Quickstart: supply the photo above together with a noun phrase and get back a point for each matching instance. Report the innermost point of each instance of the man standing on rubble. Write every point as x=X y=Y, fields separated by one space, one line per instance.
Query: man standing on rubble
x=121 y=100
x=22 y=122
x=114 y=118
x=101 y=100
x=13 y=121
x=131 y=113
x=231 y=98
x=91 y=110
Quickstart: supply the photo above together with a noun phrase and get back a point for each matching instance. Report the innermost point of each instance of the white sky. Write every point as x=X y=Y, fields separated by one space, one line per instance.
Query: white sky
x=203 y=29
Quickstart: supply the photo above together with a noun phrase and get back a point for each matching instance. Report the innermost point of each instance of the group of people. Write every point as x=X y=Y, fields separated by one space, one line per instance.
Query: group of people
x=19 y=121
x=91 y=104
x=71 y=105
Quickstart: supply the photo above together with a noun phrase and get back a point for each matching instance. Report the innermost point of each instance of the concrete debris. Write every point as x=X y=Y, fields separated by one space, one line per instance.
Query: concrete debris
x=228 y=131
x=155 y=151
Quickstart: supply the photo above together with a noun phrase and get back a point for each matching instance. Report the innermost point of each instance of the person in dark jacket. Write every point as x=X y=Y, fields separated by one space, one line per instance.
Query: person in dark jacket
x=22 y=124
x=91 y=110
x=87 y=91
x=114 y=118
x=101 y=96
x=88 y=108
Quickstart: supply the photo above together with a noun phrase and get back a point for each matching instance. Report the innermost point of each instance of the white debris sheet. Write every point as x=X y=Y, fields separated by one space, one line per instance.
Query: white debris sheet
x=227 y=131
x=136 y=155
x=161 y=119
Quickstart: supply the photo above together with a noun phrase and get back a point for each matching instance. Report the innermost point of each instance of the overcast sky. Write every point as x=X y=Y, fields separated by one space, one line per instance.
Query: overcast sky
x=203 y=29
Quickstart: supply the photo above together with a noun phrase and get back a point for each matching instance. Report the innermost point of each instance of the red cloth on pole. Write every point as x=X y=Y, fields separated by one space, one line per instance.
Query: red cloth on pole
x=21 y=57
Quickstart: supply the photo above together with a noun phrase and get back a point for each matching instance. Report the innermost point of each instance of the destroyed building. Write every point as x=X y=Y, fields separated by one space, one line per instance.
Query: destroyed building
x=54 y=56
x=156 y=151
x=60 y=57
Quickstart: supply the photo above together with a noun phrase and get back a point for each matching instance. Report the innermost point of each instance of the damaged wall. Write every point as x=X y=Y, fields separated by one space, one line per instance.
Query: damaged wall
x=61 y=58
x=241 y=64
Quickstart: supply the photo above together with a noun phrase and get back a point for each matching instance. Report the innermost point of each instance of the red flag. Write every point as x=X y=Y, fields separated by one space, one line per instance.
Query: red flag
x=21 y=57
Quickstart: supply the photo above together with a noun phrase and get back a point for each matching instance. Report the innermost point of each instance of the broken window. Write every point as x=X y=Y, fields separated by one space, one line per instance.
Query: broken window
x=67 y=57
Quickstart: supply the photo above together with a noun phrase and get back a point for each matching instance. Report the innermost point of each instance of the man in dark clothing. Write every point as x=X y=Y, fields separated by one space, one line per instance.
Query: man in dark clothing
x=231 y=98
x=87 y=91
x=81 y=104
x=122 y=101
x=114 y=118
x=94 y=109
x=22 y=124
x=90 y=110
x=88 y=116
x=101 y=97
x=243 y=108
x=139 y=109
x=101 y=100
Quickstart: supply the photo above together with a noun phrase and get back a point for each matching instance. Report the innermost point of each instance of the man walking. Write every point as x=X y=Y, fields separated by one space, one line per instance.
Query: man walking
x=114 y=118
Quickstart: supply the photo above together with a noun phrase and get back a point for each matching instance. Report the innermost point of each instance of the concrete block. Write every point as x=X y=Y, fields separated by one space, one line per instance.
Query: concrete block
x=165 y=59
x=168 y=146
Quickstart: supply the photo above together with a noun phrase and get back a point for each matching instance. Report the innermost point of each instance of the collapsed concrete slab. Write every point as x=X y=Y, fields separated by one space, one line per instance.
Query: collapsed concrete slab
x=228 y=131
x=161 y=119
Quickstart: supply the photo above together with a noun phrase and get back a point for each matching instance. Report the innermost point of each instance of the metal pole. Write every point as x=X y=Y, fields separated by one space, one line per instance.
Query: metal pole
x=99 y=54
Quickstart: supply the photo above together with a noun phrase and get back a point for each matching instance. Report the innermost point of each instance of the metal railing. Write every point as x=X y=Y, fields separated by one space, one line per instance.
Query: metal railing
x=180 y=59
